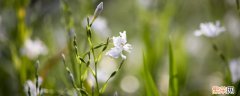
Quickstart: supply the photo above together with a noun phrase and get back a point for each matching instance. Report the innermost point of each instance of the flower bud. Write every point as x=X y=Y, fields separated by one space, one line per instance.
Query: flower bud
x=98 y=10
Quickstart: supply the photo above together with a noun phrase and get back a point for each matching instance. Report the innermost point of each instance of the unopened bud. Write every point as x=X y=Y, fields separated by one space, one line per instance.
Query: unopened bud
x=98 y=11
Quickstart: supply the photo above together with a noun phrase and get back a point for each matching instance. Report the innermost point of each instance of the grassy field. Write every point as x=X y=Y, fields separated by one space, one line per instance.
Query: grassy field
x=119 y=47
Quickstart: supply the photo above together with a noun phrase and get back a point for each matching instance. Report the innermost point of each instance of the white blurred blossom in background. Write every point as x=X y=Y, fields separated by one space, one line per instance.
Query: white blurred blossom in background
x=100 y=26
x=234 y=67
x=130 y=84
x=209 y=29
x=33 y=48
x=30 y=86
x=106 y=67
x=232 y=24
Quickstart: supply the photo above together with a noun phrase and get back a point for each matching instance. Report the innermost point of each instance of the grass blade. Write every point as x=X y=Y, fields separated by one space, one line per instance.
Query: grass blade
x=173 y=87
x=149 y=84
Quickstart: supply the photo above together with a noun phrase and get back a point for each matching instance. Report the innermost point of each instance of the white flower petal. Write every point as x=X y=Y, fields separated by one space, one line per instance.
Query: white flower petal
x=114 y=52
x=209 y=29
x=117 y=41
x=31 y=87
x=123 y=36
x=127 y=47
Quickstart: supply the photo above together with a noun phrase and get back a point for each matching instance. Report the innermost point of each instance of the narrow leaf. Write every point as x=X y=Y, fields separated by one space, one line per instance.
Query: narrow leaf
x=149 y=84
x=172 y=91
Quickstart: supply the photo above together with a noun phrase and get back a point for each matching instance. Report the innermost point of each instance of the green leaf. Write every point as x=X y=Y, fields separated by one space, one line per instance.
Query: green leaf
x=149 y=84
x=106 y=45
x=84 y=75
x=113 y=74
x=103 y=88
x=81 y=59
x=98 y=46
x=89 y=32
x=88 y=63
x=173 y=89
x=83 y=92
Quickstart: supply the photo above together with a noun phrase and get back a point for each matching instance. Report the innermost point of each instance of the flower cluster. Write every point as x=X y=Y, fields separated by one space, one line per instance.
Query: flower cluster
x=33 y=48
x=31 y=89
x=120 y=45
x=209 y=29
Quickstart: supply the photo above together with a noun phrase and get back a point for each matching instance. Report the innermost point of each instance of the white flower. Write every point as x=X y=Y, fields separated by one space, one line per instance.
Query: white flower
x=32 y=49
x=209 y=29
x=120 y=44
x=30 y=86
x=234 y=67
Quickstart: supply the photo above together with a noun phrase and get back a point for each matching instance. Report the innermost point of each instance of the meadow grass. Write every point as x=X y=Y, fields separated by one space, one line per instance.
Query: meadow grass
x=67 y=49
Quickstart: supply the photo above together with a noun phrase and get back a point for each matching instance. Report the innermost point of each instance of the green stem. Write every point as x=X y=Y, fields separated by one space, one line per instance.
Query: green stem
x=173 y=89
x=70 y=74
x=93 y=53
x=80 y=77
x=224 y=59
x=78 y=61
x=113 y=74
x=95 y=47
x=36 y=76
x=95 y=63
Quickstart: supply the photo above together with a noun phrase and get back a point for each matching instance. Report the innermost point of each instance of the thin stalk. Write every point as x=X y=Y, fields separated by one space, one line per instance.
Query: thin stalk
x=173 y=89
x=95 y=69
x=112 y=75
x=29 y=92
x=36 y=76
x=98 y=10
x=93 y=53
x=78 y=61
x=70 y=74
x=80 y=77
x=95 y=47
x=21 y=36
x=69 y=27
x=224 y=59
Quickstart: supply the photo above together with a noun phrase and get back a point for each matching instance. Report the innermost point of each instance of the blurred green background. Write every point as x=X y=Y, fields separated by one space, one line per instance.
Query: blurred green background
x=149 y=24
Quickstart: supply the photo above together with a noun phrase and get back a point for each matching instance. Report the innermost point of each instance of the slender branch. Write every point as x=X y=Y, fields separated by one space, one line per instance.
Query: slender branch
x=36 y=76
x=224 y=59
x=93 y=53
x=70 y=74
x=112 y=75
